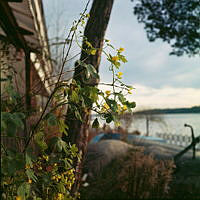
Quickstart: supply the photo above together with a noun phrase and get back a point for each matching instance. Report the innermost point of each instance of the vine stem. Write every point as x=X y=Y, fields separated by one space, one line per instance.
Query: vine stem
x=59 y=77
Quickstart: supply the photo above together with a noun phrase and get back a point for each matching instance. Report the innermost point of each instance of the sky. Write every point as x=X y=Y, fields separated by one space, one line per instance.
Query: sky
x=160 y=80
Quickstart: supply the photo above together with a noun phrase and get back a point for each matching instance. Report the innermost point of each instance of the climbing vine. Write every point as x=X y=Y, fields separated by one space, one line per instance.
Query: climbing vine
x=40 y=164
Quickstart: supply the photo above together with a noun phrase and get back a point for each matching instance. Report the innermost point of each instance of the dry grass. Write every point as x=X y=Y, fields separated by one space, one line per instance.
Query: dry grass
x=134 y=176
x=143 y=177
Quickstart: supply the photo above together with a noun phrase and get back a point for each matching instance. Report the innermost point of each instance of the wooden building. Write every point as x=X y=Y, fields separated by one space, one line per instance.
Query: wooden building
x=24 y=50
x=23 y=32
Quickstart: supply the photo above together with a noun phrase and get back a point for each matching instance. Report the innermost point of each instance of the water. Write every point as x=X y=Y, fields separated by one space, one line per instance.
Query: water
x=170 y=124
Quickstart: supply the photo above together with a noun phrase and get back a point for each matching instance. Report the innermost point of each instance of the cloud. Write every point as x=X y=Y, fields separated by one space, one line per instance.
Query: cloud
x=166 y=97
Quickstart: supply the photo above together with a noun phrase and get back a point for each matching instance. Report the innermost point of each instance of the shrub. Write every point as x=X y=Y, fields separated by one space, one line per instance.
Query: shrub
x=134 y=176
x=142 y=176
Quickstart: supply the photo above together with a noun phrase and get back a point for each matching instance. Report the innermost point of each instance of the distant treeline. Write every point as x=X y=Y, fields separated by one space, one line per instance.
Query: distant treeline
x=195 y=109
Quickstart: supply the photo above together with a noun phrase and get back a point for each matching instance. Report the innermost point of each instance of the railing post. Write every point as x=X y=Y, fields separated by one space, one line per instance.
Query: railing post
x=193 y=139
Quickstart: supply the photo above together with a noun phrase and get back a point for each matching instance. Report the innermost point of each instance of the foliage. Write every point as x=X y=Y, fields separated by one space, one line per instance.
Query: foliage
x=133 y=176
x=40 y=165
x=176 y=22
x=25 y=174
x=44 y=177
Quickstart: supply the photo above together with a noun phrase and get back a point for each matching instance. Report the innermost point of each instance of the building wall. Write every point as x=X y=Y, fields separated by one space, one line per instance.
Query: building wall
x=12 y=63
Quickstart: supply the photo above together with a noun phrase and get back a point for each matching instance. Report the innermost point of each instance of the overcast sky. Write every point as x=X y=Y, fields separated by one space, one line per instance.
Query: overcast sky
x=160 y=80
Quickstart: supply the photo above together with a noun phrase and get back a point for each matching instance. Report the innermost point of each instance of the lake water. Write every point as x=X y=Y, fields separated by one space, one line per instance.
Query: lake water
x=172 y=124
x=169 y=123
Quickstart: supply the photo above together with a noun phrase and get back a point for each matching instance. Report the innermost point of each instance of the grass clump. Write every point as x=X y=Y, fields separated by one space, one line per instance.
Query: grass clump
x=133 y=176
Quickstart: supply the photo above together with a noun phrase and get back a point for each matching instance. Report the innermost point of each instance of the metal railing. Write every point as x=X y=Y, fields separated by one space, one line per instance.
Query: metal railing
x=180 y=140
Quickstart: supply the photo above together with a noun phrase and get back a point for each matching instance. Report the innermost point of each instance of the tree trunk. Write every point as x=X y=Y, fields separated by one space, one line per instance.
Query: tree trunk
x=94 y=32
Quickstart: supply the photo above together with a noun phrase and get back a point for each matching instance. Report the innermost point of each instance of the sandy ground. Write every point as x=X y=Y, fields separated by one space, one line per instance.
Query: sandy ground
x=163 y=150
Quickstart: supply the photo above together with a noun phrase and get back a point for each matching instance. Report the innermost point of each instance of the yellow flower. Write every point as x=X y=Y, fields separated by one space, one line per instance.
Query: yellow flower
x=120 y=49
x=55 y=164
x=93 y=52
x=117 y=124
x=46 y=157
x=115 y=58
x=60 y=196
x=27 y=167
x=125 y=107
x=87 y=15
x=29 y=181
x=119 y=75
x=108 y=92
x=106 y=106
x=88 y=44
x=18 y=198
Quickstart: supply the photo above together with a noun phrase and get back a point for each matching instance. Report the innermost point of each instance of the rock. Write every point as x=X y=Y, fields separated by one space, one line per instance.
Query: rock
x=102 y=153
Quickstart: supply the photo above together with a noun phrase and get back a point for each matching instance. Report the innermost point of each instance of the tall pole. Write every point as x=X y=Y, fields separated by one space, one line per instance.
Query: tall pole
x=193 y=138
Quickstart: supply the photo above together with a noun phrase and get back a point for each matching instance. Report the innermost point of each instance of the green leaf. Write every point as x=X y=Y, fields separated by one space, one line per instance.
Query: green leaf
x=112 y=104
x=61 y=188
x=31 y=175
x=28 y=160
x=74 y=97
x=92 y=71
x=18 y=120
x=95 y=123
x=121 y=97
x=109 y=117
x=20 y=115
x=131 y=104
x=5 y=116
x=117 y=64
x=74 y=148
x=12 y=121
x=93 y=93
x=73 y=28
x=52 y=120
x=3 y=126
x=39 y=139
x=24 y=190
x=11 y=128
x=58 y=144
x=63 y=127
x=77 y=114
x=122 y=58
x=110 y=45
